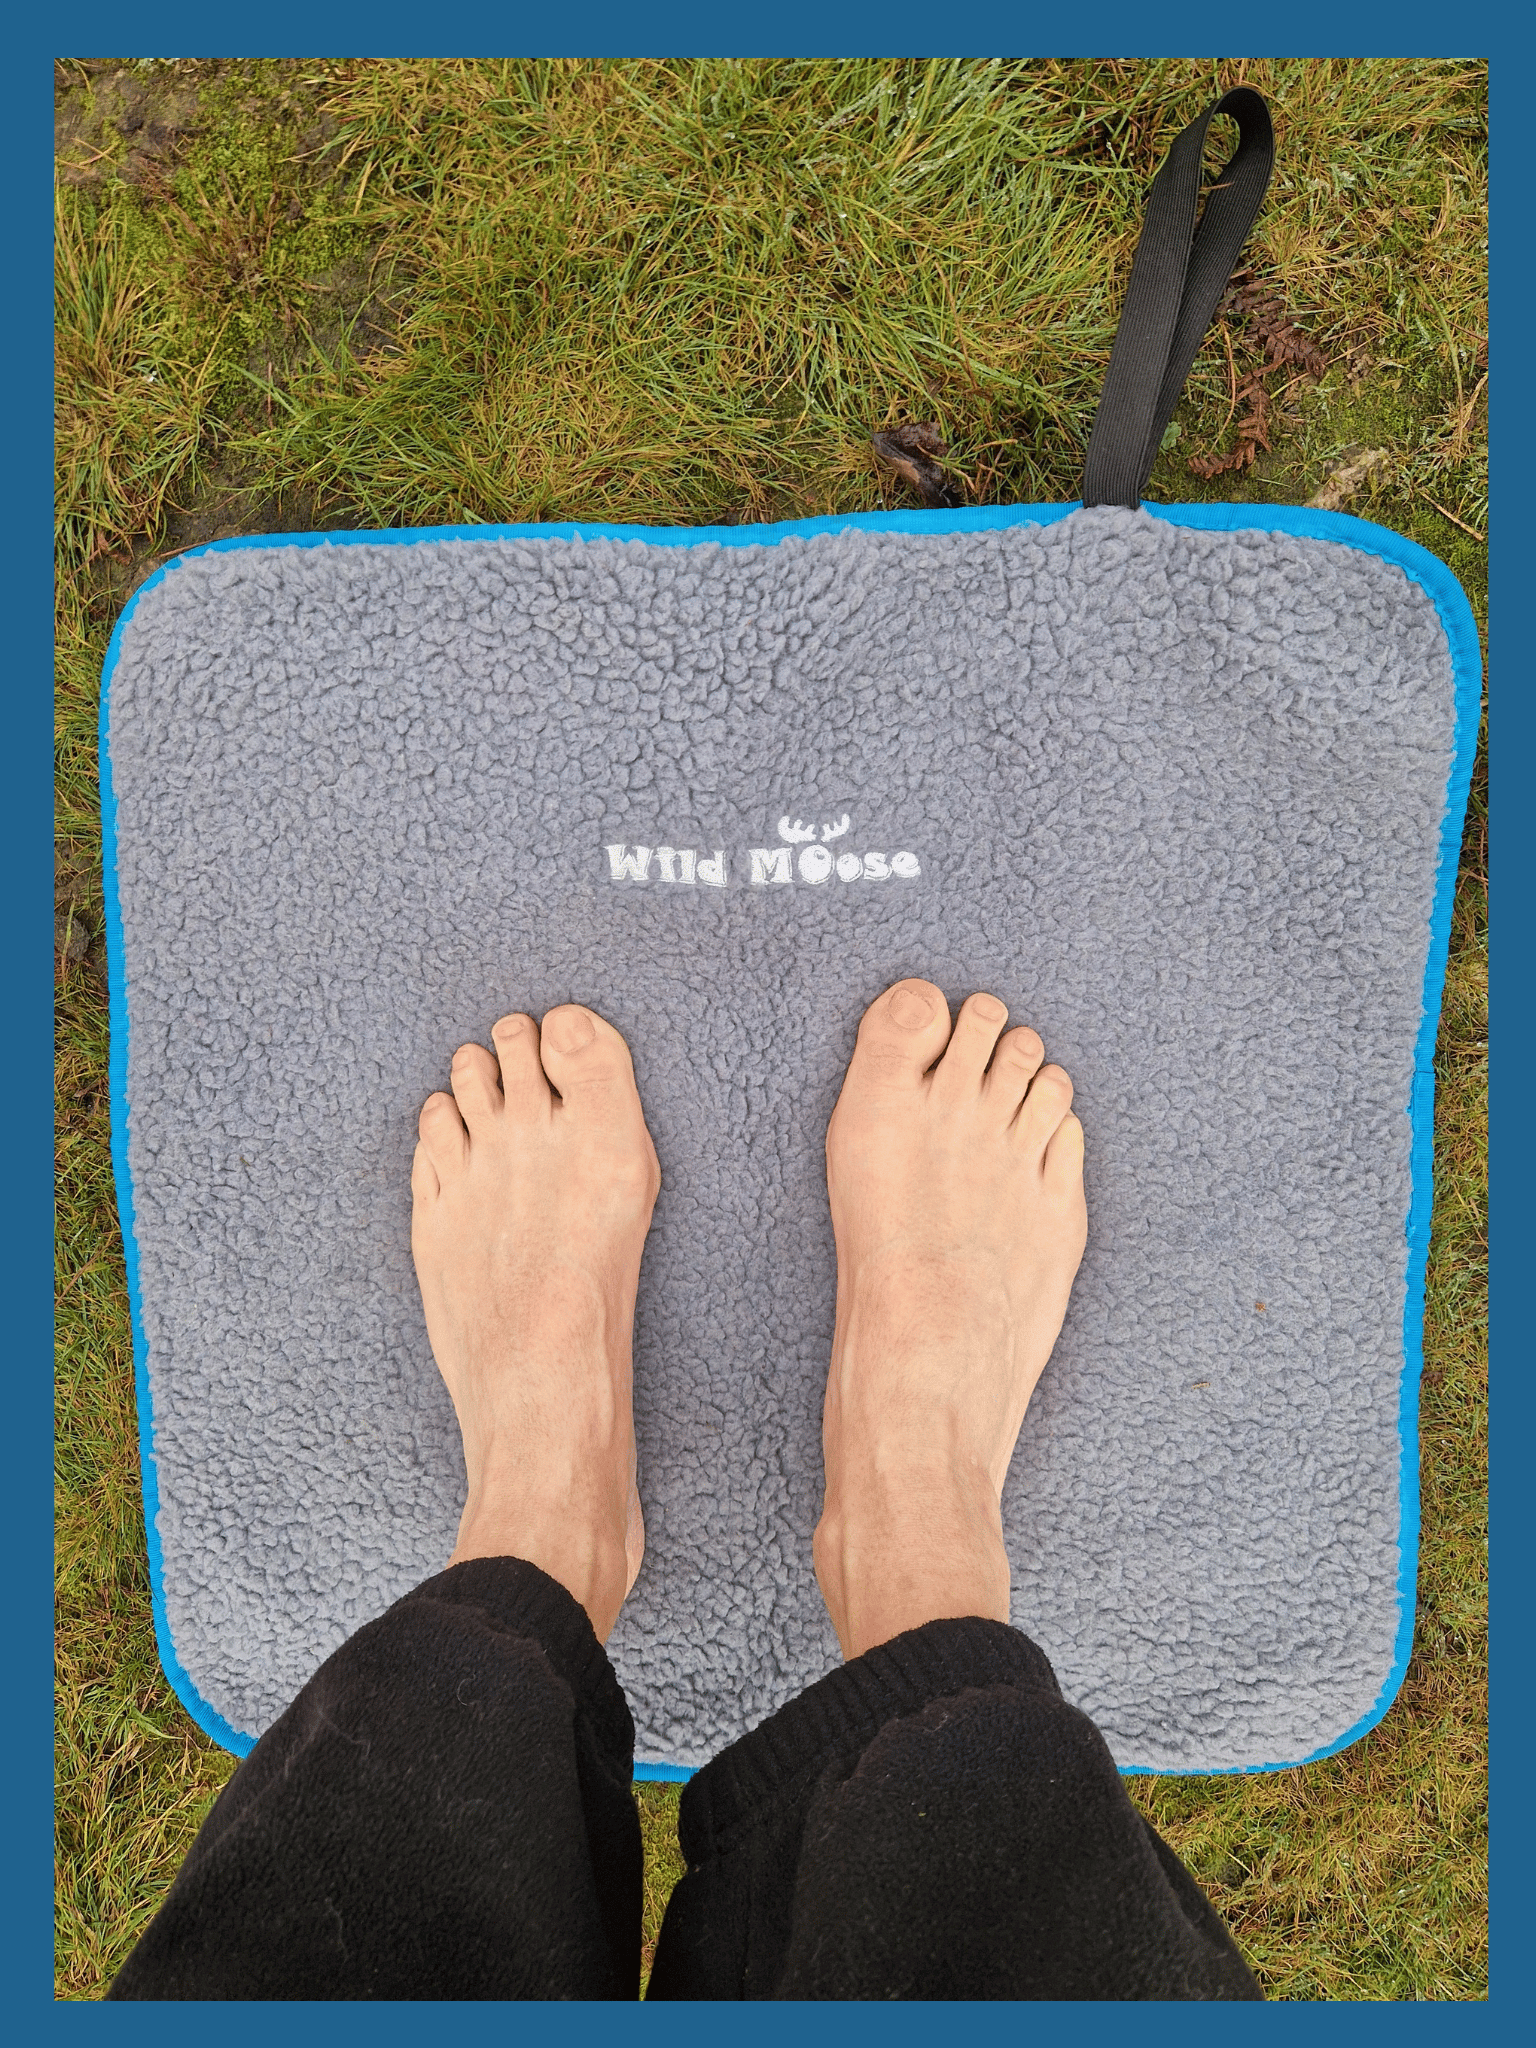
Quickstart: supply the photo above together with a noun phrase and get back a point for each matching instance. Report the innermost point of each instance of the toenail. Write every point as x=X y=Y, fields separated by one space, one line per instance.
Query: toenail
x=509 y=1027
x=570 y=1031
x=989 y=1009
x=911 y=1009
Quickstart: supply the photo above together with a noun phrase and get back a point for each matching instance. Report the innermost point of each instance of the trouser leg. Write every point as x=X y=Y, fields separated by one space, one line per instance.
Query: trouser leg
x=443 y=1813
x=934 y=1821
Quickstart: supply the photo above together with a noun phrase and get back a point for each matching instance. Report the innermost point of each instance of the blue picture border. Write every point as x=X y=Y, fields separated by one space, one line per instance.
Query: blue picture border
x=1304 y=522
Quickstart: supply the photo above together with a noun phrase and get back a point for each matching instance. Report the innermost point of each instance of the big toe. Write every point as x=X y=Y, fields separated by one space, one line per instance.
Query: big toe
x=583 y=1055
x=901 y=1034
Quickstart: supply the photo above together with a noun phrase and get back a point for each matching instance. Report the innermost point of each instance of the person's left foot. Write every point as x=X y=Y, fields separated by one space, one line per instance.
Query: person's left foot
x=530 y=1210
x=955 y=1179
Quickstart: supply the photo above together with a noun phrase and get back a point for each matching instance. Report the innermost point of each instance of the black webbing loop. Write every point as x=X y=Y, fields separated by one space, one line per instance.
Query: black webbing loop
x=1177 y=279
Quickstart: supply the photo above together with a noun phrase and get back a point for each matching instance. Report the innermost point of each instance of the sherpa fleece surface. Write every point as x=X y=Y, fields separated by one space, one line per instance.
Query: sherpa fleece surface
x=1175 y=795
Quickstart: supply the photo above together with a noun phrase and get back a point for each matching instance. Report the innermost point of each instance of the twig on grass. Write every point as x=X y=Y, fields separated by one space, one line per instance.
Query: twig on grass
x=1444 y=514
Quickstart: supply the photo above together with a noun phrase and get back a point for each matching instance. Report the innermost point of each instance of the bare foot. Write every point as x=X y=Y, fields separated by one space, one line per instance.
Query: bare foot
x=957 y=1204
x=530 y=1213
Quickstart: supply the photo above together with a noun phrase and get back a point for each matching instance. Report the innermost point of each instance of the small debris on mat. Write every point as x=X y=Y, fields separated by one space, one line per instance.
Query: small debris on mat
x=1347 y=477
x=916 y=452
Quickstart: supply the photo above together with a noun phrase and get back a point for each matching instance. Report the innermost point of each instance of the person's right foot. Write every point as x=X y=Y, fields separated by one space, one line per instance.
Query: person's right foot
x=957 y=1205
x=533 y=1187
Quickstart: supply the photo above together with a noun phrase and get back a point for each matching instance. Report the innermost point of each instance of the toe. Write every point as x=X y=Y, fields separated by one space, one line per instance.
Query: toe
x=584 y=1055
x=1014 y=1065
x=964 y=1065
x=476 y=1087
x=1041 y=1112
x=1064 y=1154
x=524 y=1084
x=901 y=1034
x=425 y=1185
x=443 y=1135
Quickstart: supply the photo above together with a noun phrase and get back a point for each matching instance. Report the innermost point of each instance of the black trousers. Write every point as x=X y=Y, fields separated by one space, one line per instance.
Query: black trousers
x=445 y=1813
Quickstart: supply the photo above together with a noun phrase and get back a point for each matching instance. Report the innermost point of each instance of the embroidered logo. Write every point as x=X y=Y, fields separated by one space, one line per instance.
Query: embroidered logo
x=766 y=866
x=673 y=864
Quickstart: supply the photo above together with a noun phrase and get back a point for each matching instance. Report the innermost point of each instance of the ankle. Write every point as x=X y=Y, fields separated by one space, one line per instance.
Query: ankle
x=579 y=1543
x=899 y=1547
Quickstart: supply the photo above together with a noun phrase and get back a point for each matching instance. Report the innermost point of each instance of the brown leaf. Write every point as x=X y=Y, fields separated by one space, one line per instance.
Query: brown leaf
x=915 y=452
x=1246 y=303
x=1252 y=429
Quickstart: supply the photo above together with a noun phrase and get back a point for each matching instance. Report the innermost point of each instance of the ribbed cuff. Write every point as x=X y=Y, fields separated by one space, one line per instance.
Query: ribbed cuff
x=520 y=1600
x=841 y=1714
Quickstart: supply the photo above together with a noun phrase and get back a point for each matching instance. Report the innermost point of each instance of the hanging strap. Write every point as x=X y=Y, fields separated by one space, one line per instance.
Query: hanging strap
x=1179 y=275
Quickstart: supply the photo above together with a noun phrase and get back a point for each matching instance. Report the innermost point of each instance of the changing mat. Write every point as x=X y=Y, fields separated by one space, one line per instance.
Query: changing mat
x=1183 y=785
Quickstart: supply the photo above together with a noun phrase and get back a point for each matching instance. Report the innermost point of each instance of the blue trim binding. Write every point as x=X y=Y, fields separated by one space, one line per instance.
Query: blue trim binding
x=208 y=1718
x=1421 y=567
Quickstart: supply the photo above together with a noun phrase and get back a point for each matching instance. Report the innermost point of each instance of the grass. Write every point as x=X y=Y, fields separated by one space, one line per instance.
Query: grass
x=382 y=293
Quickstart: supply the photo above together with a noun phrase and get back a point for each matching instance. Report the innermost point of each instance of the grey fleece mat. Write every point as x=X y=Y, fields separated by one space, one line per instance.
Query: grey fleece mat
x=1176 y=795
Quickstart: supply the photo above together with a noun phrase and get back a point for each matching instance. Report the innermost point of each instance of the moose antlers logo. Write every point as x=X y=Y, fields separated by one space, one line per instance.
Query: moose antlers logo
x=794 y=834
x=766 y=865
